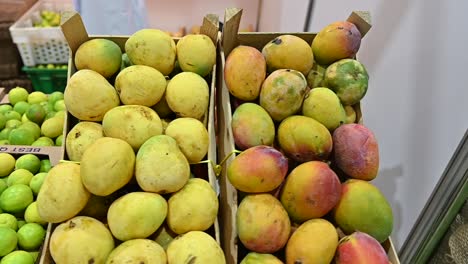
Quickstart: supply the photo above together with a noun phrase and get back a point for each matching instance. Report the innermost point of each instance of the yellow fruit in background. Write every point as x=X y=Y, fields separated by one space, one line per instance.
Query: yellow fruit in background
x=101 y=55
x=195 y=247
x=80 y=137
x=196 y=53
x=137 y=251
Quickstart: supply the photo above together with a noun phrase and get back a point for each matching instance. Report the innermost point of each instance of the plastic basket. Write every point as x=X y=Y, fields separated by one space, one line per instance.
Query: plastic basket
x=40 y=45
x=47 y=80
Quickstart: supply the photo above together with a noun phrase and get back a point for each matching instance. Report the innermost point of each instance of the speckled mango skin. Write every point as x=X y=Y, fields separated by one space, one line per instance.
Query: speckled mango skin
x=196 y=53
x=360 y=248
x=315 y=76
x=244 y=72
x=311 y=190
x=338 y=40
x=323 y=105
x=348 y=79
x=258 y=169
x=252 y=126
x=282 y=93
x=288 y=52
x=363 y=207
x=304 y=139
x=313 y=242
x=356 y=151
x=257 y=258
x=263 y=224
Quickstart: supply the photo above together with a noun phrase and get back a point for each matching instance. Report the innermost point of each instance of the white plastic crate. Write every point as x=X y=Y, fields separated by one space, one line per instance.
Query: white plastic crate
x=40 y=45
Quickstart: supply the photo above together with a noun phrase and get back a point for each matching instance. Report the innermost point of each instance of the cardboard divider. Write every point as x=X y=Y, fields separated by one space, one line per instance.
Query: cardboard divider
x=231 y=38
x=75 y=33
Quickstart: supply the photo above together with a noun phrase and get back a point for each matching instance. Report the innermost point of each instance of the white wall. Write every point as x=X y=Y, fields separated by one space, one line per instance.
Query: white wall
x=417 y=101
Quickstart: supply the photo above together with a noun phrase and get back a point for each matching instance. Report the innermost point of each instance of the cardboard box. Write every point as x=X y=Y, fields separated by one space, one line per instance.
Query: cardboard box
x=229 y=196
x=76 y=34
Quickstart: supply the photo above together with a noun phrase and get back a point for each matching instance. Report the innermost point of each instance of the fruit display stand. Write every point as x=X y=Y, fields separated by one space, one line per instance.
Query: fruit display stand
x=231 y=38
x=55 y=153
x=76 y=34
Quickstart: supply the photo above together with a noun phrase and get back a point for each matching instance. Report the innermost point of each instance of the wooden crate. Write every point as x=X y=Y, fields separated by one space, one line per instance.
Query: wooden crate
x=76 y=34
x=229 y=196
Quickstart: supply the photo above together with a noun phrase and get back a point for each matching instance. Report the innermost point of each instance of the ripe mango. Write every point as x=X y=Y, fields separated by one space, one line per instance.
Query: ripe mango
x=81 y=239
x=191 y=136
x=187 y=95
x=97 y=207
x=258 y=258
x=262 y=223
x=53 y=127
x=152 y=47
x=360 y=248
x=338 y=40
x=160 y=166
x=282 y=93
x=252 y=126
x=258 y=169
x=88 y=96
x=132 y=123
x=323 y=105
x=356 y=151
x=196 y=53
x=304 y=139
x=140 y=85
x=80 y=137
x=195 y=247
x=62 y=195
x=136 y=215
x=101 y=55
x=244 y=72
x=137 y=251
x=315 y=76
x=288 y=52
x=196 y=201
x=311 y=190
x=107 y=165
x=363 y=207
x=314 y=242
x=348 y=79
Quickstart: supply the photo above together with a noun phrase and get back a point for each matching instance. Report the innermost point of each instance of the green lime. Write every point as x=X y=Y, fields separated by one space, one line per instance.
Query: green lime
x=61 y=113
x=24 y=118
x=59 y=140
x=4 y=142
x=60 y=105
x=13 y=123
x=36 y=113
x=31 y=215
x=5 y=107
x=31 y=236
x=20 y=176
x=33 y=127
x=8 y=241
x=43 y=141
x=36 y=182
x=45 y=165
x=55 y=96
x=34 y=255
x=18 y=94
x=29 y=162
x=37 y=97
x=3 y=185
x=11 y=114
x=21 y=107
x=50 y=115
x=5 y=133
x=8 y=220
x=7 y=164
x=3 y=121
x=21 y=222
x=21 y=136
x=16 y=198
x=47 y=107
x=18 y=257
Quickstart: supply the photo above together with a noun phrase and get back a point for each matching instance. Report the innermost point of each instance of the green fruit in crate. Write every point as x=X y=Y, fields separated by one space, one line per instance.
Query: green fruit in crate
x=100 y=55
x=45 y=165
x=3 y=121
x=5 y=133
x=17 y=94
x=288 y=52
x=33 y=127
x=19 y=176
x=47 y=107
x=323 y=105
x=152 y=47
x=34 y=255
x=315 y=76
x=52 y=127
x=36 y=182
x=50 y=66
x=348 y=79
x=137 y=251
x=80 y=137
x=97 y=207
x=140 y=85
x=5 y=107
x=43 y=142
x=21 y=107
x=31 y=215
x=89 y=96
x=37 y=97
x=4 y=142
x=29 y=162
x=62 y=113
x=164 y=236
x=8 y=241
x=13 y=123
x=196 y=53
x=24 y=117
x=3 y=185
x=21 y=136
x=195 y=246
x=21 y=222
x=31 y=236
x=54 y=97
x=36 y=113
x=81 y=239
x=18 y=257
x=12 y=115
x=191 y=136
x=8 y=220
x=59 y=141
x=62 y=194
x=258 y=258
x=160 y=166
x=60 y=106
x=16 y=198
